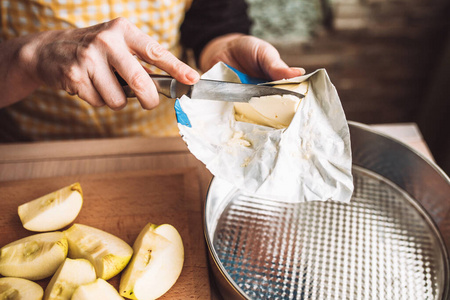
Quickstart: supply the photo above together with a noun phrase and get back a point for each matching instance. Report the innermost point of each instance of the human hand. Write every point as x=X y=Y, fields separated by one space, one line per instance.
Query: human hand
x=248 y=54
x=82 y=61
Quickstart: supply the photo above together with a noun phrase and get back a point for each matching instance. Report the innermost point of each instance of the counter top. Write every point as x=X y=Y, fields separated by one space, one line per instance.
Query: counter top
x=126 y=172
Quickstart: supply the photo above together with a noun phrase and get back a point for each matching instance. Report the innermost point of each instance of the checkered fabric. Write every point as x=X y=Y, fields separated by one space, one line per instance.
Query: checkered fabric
x=48 y=114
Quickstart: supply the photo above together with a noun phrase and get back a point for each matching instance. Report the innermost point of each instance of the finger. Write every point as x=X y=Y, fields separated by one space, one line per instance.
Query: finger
x=150 y=51
x=285 y=73
x=137 y=78
x=108 y=87
x=89 y=94
x=83 y=88
x=273 y=66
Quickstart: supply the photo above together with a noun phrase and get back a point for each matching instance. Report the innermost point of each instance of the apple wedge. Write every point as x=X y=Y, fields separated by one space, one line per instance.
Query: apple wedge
x=108 y=253
x=12 y=288
x=34 y=257
x=71 y=274
x=52 y=211
x=99 y=289
x=156 y=264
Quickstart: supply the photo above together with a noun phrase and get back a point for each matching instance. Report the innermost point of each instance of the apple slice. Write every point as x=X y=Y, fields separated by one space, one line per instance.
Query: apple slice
x=34 y=257
x=108 y=253
x=12 y=288
x=156 y=264
x=52 y=211
x=99 y=289
x=71 y=274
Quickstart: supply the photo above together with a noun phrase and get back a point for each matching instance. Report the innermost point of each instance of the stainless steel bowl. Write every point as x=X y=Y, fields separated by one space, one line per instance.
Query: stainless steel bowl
x=384 y=244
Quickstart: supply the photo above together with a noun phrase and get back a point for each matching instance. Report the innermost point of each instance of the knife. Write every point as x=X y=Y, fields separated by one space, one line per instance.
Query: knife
x=209 y=89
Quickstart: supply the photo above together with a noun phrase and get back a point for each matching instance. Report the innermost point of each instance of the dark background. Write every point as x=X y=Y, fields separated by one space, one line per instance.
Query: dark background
x=389 y=61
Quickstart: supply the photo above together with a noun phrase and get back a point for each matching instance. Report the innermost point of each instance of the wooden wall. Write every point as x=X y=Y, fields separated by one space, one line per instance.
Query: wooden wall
x=383 y=57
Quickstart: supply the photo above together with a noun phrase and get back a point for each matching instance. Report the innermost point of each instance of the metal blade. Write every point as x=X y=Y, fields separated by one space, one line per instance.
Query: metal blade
x=233 y=92
x=209 y=89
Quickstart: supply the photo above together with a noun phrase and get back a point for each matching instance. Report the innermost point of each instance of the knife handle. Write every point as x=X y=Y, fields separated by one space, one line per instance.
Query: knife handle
x=165 y=85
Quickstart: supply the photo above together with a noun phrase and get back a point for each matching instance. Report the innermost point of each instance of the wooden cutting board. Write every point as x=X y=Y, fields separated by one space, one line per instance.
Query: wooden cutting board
x=122 y=204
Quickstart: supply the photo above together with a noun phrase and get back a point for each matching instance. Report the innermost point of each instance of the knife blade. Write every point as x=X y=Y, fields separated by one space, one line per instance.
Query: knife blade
x=206 y=89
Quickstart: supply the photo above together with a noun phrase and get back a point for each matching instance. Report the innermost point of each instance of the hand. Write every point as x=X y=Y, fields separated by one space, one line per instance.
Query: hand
x=248 y=54
x=83 y=61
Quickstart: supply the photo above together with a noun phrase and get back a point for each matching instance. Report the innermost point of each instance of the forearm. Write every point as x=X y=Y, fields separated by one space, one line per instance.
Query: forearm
x=16 y=81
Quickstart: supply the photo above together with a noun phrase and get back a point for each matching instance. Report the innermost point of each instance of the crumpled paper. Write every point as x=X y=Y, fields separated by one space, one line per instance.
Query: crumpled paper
x=310 y=160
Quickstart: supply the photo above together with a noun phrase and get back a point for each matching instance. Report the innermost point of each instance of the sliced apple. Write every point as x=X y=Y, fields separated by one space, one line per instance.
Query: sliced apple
x=34 y=257
x=99 y=289
x=108 y=253
x=52 y=211
x=156 y=264
x=12 y=288
x=71 y=274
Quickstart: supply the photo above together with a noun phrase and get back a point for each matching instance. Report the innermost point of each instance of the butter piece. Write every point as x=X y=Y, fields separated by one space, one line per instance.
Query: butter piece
x=272 y=111
x=238 y=139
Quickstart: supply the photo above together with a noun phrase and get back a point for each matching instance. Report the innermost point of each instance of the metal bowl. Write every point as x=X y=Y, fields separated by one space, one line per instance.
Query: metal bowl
x=384 y=244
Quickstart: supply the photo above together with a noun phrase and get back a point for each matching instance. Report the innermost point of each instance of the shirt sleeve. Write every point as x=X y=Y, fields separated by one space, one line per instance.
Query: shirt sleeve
x=208 y=19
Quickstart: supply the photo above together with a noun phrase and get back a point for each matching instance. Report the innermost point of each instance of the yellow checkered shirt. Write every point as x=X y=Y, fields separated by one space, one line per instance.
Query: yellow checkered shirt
x=50 y=114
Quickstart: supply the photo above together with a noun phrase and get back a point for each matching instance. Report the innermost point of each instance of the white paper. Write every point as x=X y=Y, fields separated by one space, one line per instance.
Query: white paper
x=309 y=160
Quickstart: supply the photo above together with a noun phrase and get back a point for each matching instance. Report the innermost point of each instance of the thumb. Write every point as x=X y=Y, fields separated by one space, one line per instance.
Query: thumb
x=280 y=70
x=275 y=68
x=287 y=72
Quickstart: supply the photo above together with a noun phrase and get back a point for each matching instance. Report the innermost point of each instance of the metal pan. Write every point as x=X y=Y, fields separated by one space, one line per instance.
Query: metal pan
x=384 y=244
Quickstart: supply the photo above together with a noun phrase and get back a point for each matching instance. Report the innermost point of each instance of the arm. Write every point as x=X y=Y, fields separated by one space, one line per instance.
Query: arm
x=81 y=61
x=219 y=31
x=15 y=83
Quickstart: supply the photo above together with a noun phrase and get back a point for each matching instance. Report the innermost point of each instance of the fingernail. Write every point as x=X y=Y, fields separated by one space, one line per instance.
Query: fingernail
x=301 y=70
x=193 y=76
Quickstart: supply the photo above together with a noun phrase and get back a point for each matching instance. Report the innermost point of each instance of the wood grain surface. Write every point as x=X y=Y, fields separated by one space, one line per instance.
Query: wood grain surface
x=122 y=203
x=122 y=192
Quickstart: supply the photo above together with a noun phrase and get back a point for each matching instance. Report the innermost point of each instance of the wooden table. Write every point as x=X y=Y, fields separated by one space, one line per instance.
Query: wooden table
x=119 y=167
x=50 y=159
x=126 y=183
